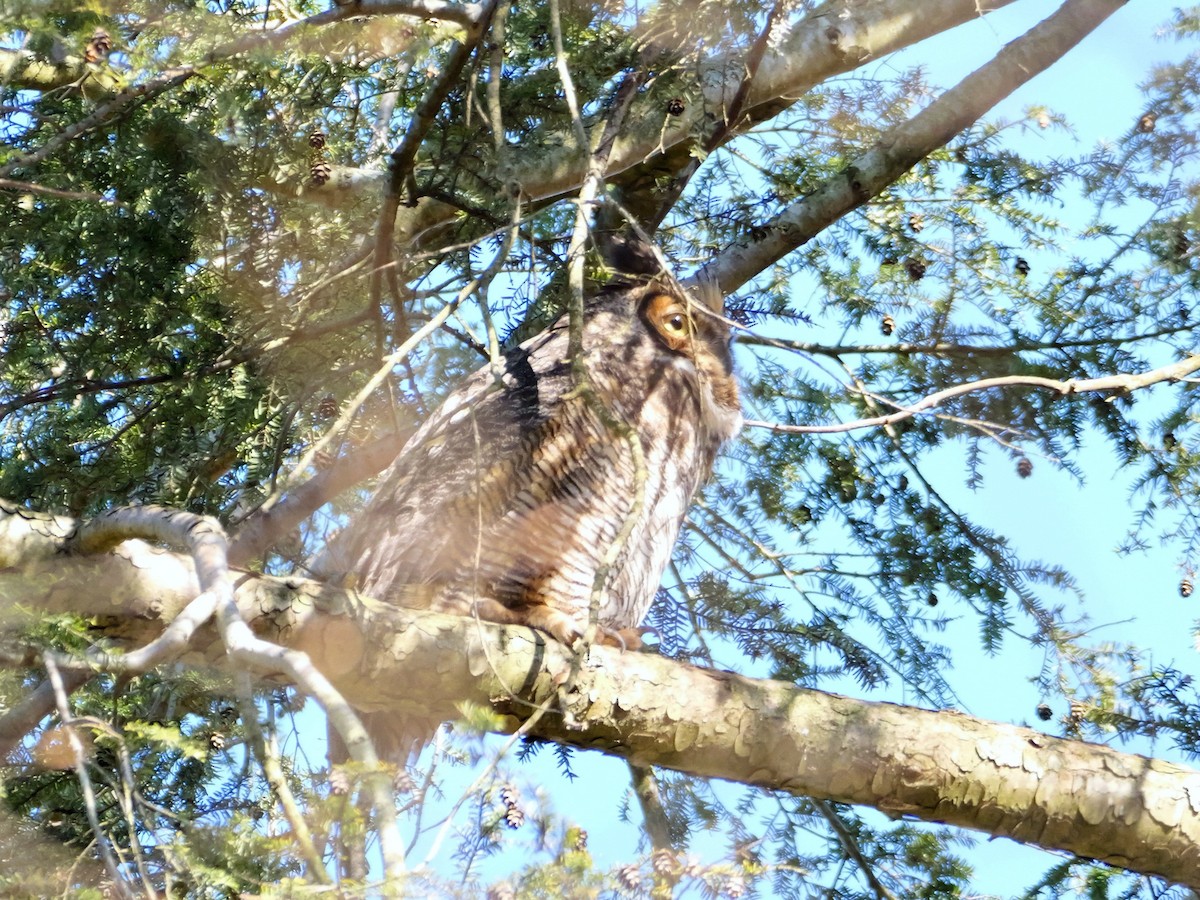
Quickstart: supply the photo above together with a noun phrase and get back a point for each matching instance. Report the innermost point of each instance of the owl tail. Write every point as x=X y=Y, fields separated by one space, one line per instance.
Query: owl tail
x=398 y=740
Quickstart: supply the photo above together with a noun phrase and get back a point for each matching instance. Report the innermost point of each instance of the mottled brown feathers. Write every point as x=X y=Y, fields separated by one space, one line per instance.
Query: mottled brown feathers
x=535 y=503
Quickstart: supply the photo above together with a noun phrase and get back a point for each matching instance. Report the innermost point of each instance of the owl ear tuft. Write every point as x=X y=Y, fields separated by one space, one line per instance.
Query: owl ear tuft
x=707 y=293
x=629 y=254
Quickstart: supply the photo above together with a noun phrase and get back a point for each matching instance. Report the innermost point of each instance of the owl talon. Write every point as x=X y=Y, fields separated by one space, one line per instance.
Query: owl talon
x=558 y=625
x=625 y=638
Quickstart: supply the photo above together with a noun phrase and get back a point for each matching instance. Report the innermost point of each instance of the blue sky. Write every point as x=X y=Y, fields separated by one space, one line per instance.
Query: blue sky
x=1048 y=516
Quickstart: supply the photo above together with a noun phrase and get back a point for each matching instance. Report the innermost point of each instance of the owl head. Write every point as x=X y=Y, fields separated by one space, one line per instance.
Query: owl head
x=689 y=324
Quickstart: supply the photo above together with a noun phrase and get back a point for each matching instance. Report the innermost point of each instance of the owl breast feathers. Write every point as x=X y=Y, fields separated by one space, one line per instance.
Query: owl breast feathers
x=537 y=502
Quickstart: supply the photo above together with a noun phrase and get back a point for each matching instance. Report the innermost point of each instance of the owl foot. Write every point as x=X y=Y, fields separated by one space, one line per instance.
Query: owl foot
x=567 y=630
x=563 y=628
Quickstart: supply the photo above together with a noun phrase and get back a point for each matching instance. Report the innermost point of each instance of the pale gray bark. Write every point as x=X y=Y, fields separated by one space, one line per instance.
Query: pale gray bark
x=908 y=143
x=942 y=766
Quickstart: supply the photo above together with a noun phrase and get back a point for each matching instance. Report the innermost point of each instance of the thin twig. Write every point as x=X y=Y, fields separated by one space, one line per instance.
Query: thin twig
x=85 y=781
x=267 y=753
x=1119 y=384
x=853 y=851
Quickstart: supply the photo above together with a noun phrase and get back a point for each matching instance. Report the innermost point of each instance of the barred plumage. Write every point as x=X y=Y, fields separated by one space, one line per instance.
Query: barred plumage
x=531 y=501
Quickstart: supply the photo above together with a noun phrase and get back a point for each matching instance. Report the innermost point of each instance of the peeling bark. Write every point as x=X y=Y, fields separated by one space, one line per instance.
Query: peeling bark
x=656 y=144
x=941 y=766
x=908 y=143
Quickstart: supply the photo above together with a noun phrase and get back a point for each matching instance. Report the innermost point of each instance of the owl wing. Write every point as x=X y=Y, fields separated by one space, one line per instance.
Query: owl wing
x=504 y=494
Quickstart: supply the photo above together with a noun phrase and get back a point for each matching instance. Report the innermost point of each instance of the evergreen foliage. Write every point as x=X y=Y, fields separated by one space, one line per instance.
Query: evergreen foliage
x=192 y=296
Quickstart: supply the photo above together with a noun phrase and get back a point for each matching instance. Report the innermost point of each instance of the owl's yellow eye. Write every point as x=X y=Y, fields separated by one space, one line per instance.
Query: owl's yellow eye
x=669 y=317
x=676 y=324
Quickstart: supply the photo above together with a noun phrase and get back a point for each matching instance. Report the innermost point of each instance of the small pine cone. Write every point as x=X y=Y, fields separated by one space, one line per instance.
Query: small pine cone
x=1024 y=467
x=676 y=106
x=320 y=172
x=316 y=139
x=902 y=484
x=932 y=599
x=1021 y=266
x=98 y=47
x=216 y=740
x=1078 y=711
x=1147 y=122
x=629 y=877
x=1170 y=442
x=1044 y=712
x=581 y=839
x=339 y=782
x=887 y=325
x=915 y=268
x=403 y=783
x=502 y=891
x=328 y=407
x=735 y=887
x=514 y=816
x=1184 y=314
x=1186 y=587
x=916 y=222
x=960 y=155
x=665 y=864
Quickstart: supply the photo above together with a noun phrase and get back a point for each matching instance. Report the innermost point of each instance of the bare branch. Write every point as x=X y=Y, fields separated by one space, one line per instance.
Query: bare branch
x=1121 y=384
x=946 y=348
x=79 y=763
x=908 y=143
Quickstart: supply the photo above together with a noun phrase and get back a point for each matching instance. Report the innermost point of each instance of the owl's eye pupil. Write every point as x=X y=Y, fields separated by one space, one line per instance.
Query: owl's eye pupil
x=676 y=322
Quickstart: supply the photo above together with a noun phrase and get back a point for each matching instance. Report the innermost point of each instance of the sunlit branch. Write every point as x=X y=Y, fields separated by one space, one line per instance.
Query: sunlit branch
x=206 y=543
x=710 y=723
x=79 y=763
x=1119 y=384
x=400 y=162
x=654 y=143
x=946 y=348
x=900 y=148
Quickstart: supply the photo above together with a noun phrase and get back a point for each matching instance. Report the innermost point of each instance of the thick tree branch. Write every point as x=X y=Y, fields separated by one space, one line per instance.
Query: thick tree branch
x=908 y=143
x=1128 y=810
x=214 y=597
x=655 y=145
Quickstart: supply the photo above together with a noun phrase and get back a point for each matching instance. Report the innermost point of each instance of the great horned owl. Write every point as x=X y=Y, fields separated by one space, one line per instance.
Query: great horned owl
x=546 y=498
